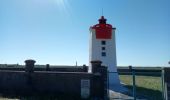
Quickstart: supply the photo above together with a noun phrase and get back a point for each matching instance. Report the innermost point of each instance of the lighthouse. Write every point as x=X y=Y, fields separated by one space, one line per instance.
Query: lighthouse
x=103 y=48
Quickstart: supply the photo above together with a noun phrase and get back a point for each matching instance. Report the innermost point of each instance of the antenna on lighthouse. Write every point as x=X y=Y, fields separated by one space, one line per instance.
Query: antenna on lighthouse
x=102 y=11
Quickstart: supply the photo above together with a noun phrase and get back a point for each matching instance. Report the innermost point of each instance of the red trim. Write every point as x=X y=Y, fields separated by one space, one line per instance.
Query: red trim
x=103 y=31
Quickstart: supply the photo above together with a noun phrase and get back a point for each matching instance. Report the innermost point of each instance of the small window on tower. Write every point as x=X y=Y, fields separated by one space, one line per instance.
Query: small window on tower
x=103 y=54
x=103 y=42
x=103 y=48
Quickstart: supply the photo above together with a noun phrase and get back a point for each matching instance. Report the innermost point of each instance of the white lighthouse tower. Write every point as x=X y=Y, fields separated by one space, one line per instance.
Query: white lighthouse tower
x=103 y=48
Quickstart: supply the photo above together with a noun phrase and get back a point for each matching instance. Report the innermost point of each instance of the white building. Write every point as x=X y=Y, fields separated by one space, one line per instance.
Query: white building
x=103 y=48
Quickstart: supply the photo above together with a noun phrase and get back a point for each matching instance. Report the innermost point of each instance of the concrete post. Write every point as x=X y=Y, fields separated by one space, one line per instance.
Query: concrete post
x=100 y=79
x=85 y=68
x=95 y=65
x=47 y=67
x=29 y=65
x=167 y=83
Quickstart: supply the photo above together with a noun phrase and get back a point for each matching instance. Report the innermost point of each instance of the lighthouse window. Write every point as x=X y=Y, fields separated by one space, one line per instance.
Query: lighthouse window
x=103 y=42
x=103 y=54
x=103 y=48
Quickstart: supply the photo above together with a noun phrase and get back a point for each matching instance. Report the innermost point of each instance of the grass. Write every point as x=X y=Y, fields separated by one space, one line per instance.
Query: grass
x=148 y=87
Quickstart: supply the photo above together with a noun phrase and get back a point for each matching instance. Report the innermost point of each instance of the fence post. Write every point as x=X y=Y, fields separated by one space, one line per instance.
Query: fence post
x=163 y=84
x=100 y=80
x=108 y=94
x=133 y=79
x=29 y=65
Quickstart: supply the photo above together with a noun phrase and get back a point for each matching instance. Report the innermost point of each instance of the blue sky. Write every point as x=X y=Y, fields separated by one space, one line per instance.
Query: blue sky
x=57 y=31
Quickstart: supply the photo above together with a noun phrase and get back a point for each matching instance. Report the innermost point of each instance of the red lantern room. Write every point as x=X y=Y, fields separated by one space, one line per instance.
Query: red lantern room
x=103 y=30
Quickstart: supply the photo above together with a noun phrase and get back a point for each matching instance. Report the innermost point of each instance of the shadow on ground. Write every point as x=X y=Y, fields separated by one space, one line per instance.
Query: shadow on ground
x=145 y=93
x=37 y=97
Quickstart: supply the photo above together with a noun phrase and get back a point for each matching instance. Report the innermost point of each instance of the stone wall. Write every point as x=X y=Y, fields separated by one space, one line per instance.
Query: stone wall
x=42 y=82
x=31 y=82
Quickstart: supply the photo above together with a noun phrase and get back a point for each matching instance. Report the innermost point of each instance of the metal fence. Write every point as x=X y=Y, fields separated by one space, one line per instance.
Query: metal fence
x=139 y=85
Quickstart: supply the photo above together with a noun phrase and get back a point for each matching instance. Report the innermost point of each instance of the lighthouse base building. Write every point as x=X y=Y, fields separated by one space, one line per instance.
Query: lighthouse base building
x=103 y=48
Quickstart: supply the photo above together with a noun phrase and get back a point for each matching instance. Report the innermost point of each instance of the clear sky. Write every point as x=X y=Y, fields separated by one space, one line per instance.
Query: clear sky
x=57 y=31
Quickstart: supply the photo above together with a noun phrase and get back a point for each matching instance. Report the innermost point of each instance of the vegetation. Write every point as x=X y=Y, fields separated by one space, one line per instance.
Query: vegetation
x=147 y=87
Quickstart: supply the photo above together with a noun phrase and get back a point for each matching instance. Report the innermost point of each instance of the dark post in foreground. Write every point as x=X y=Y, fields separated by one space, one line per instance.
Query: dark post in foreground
x=166 y=77
x=29 y=65
x=100 y=79
x=95 y=65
